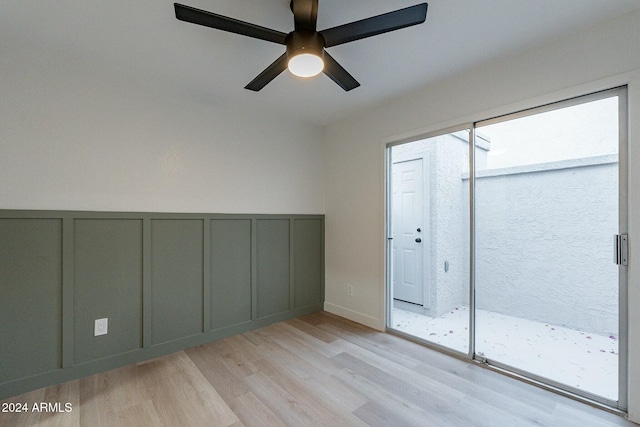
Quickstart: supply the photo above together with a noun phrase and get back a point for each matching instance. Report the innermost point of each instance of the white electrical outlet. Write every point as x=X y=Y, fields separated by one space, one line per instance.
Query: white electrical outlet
x=350 y=290
x=100 y=327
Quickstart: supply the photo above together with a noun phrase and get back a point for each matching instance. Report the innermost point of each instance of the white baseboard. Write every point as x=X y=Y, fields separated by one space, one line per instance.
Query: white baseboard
x=355 y=316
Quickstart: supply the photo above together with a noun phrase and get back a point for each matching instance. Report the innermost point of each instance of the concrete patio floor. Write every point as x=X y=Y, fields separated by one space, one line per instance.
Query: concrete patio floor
x=579 y=359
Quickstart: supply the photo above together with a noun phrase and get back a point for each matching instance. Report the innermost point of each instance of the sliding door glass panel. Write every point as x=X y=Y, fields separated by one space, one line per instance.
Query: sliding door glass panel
x=546 y=211
x=429 y=212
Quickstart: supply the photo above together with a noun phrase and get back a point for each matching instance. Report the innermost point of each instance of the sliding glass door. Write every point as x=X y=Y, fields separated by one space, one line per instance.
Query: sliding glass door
x=546 y=210
x=512 y=265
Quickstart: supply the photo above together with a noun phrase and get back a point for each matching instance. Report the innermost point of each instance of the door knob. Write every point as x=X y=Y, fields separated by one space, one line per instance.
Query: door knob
x=418 y=240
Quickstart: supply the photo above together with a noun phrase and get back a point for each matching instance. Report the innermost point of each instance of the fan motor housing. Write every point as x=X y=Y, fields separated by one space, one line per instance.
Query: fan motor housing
x=299 y=42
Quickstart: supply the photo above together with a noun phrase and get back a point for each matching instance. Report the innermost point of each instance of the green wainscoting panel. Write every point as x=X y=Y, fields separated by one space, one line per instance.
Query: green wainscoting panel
x=308 y=261
x=30 y=297
x=107 y=284
x=273 y=263
x=176 y=278
x=164 y=281
x=230 y=272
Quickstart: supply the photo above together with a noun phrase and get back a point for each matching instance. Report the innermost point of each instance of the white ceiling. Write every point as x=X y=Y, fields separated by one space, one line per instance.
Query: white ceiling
x=144 y=40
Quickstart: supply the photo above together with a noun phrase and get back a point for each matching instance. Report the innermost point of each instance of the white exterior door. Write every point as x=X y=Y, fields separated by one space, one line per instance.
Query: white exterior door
x=409 y=236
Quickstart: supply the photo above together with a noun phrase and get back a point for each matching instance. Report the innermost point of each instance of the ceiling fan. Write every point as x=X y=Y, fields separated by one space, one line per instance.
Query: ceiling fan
x=305 y=55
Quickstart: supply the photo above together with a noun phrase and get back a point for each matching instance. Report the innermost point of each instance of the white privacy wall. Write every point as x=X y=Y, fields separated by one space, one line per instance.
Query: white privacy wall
x=81 y=136
x=598 y=58
x=544 y=243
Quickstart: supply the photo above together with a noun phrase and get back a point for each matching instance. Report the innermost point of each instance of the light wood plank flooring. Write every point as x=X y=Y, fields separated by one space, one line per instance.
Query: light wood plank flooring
x=315 y=370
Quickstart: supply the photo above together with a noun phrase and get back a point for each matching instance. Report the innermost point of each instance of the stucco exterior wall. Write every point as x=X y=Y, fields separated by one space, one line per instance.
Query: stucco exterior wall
x=450 y=226
x=544 y=243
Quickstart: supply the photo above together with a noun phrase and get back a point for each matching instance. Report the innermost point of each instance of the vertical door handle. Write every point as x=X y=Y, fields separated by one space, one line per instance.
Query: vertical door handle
x=620 y=249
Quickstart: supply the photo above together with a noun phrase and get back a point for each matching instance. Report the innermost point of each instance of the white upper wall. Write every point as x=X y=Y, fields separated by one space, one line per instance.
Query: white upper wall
x=81 y=136
x=602 y=57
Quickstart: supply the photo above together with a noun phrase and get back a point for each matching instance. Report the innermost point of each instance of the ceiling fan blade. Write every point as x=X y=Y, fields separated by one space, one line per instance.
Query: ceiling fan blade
x=270 y=73
x=219 y=22
x=305 y=14
x=339 y=74
x=375 y=25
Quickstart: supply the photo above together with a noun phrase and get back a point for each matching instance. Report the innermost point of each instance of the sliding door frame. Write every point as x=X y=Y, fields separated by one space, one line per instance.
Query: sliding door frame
x=623 y=190
x=389 y=241
x=621 y=93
